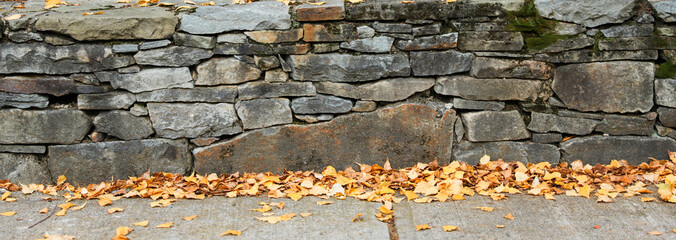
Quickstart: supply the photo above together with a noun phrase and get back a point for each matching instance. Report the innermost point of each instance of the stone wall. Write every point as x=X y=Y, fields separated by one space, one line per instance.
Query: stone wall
x=101 y=89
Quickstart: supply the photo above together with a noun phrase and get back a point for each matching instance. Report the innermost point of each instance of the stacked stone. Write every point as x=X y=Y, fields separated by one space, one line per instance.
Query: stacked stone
x=268 y=87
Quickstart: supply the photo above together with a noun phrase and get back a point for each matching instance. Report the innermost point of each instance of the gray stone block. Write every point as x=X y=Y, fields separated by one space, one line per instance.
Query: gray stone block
x=260 y=113
x=488 y=126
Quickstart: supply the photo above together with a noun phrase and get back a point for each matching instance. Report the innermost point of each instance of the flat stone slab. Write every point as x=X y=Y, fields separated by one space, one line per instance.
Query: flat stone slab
x=23 y=168
x=20 y=100
x=488 y=89
x=52 y=85
x=49 y=126
x=39 y=58
x=192 y=120
x=484 y=67
x=588 y=13
x=174 y=56
x=600 y=149
x=544 y=123
x=425 y=63
x=406 y=133
x=272 y=90
x=218 y=94
x=105 y=101
x=251 y=16
x=387 y=90
x=123 y=125
x=348 y=68
x=260 y=113
x=487 y=126
x=231 y=70
x=153 y=79
x=524 y=152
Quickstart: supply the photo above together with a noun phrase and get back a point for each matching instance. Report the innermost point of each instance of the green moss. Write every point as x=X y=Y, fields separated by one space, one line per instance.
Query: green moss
x=543 y=41
x=538 y=31
x=666 y=70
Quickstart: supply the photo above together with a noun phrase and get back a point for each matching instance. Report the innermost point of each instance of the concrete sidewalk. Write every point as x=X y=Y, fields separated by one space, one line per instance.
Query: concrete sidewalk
x=535 y=218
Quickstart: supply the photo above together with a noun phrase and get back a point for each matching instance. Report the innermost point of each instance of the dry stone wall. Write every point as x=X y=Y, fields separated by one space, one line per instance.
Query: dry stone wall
x=267 y=87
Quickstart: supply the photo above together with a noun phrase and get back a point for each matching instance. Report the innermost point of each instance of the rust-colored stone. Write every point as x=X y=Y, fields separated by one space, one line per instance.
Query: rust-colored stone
x=329 y=32
x=406 y=134
x=57 y=86
x=326 y=12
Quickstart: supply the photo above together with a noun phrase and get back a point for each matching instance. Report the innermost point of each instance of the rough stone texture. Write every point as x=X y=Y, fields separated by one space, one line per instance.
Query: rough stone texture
x=153 y=79
x=125 y=48
x=154 y=44
x=562 y=45
x=608 y=86
x=124 y=23
x=329 y=32
x=495 y=26
x=23 y=168
x=460 y=103
x=42 y=58
x=404 y=36
x=174 y=56
x=568 y=29
x=419 y=10
x=582 y=56
x=392 y=27
x=22 y=37
x=406 y=134
x=487 y=126
x=219 y=94
x=440 y=63
x=470 y=152
x=667 y=116
x=666 y=9
x=427 y=30
x=624 y=31
x=261 y=49
x=48 y=126
x=437 y=42
x=276 y=76
x=201 y=142
x=197 y=41
x=388 y=90
x=23 y=148
x=226 y=71
x=364 y=106
x=260 y=113
x=105 y=101
x=365 y=32
x=488 y=89
x=637 y=43
x=123 y=125
x=347 y=68
x=588 y=13
x=19 y=100
x=272 y=36
x=459 y=130
x=599 y=149
x=320 y=104
x=192 y=120
x=547 y=137
x=266 y=62
x=331 y=10
x=490 y=41
x=231 y=38
x=665 y=131
x=138 y=110
x=665 y=92
x=252 y=16
x=483 y=67
x=273 y=90
x=94 y=162
x=544 y=123
x=58 y=40
x=380 y=44
x=574 y=114
x=56 y=86
x=628 y=125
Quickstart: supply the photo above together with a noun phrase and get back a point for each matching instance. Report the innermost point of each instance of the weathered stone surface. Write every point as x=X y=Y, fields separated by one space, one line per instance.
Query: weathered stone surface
x=490 y=41
x=276 y=76
x=260 y=113
x=58 y=40
x=22 y=37
x=123 y=23
x=273 y=90
x=154 y=44
x=427 y=30
x=460 y=103
x=105 y=101
x=266 y=62
x=495 y=26
x=666 y=9
x=331 y=10
x=419 y=10
x=440 y=63
x=483 y=67
x=174 y=56
x=272 y=36
x=123 y=125
x=623 y=31
x=325 y=47
x=57 y=86
x=562 y=45
x=665 y=92
x=392 y=27
x=130 y=69
x=23 y=168
x=231 y=38
x=568 y=29
x=628 y=125
x=23 y=148
x=314 y=118
x=387 y=90
x=261 y=49
x=268 y=15
x=347 y=68
x=667 y=116
x=582 y=56
x=588 y=13
x=43 y=58
x=665 y=131
x=380 y=44
x=320 y=104
x=364 y=106
x=405 y=134
x=226 y=71
x=201 y=142
x=48 y=126
x=599 y=149
x=193 y=120
x=138 y=110
x=547 y=137
x=544 y=123
x=437 y=42
x=95 y=162
x=219 y=94
x=508 y=5
x=19 y=100
x=459 y=130
x=574 y=114
x=365 y=32
x=606 y=86
x=329 y=32
x=197 y=41
x=470 y=152
x=488 y=89
x=125 y=48
x=486 y=126
x=153 y=79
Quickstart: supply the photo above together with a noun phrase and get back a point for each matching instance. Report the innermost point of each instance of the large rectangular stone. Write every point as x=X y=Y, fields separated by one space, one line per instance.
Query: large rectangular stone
x=273 y=90
x=331 y=10
x=153 y=79
x=48 y=126
x=427 y=63
x=52 y=85
x=601 y=149
x=269 y=15
x=524 y=152
x=347 y=68
x=193 y=120
x=23 y=168
x=222 y=94
x=43 y=58
x=490 y=41
x=261 y=49
x=488 y=89
x=488 y=126
x=19 y=100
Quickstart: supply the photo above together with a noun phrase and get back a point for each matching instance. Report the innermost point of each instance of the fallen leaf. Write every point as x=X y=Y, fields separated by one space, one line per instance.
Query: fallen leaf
x=520 y=177
x=123 y=231
x=597 y=226
x=5 y=195
x=79 y=207
x=647 y=199
x=451 y=1
x=105 y=201
x=655 y=233
x=422 y=227
x=92 y=13
x=48 y=236
x=294 y=196
x=485 y=209
x=13 y=17
x=276 y=219
x=190 y=218
x=485 y=159
x=162 y=203
x=114 y=210
x=7 y=214
x=500 y=226
x=324 y=202
x=603 y=199
x=26 y=190
x=317 y=3
x=165 y=225
x=232 y=232
x=140 y=224
x=357 y=217
x=122 y=1
x=405 y=1
x=67 y=205
x=263 y=209
x=165 y=4
x=450 y=228
x=61 y=212
x=385 y=210
x=510 y=216
x=305 y=214
x=44 y=210
x=356 y=1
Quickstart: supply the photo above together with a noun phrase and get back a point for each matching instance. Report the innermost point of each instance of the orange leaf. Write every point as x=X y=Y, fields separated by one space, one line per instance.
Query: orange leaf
x=324 y=202
x=597 y=226
x=44 y=210
x=655 y=233
x=485 y=209
x=165 y=225
x=422 y=227
x=305 y=214
x=357 y=217
x=114 y=210
x=105 y=202
x=385 y=210
x=510 y=216
x=141 y=224
x=500 y=226
x=232 y=232
x=123 y=231
x=190 y=218
x=7 y=214
x=295 y=196
x=450 y=228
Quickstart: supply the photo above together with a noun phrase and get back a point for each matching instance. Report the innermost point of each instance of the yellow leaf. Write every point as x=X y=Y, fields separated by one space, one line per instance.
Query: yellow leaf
x=105 y=202
x=189 y=2
x=550 y=176
x=451 y=1
x=550 y=196
x=485 y=159
x=263 y=209
x=5 y=195
x=10 y=200
x=584 y=191
x=384 y=210
x=317 y=3
x=114 y=210
x=122 y=1
x=500 y=226
x=324 y=202
x=359 y=215
x=276 y=219
x=405 y=1
x=165 y=225
x=232 y=232
x=647 y=199
x=13 y=17
x=305 y=214
x=520 y=177
x=410 y=195
x=356 y=1
x=80 y=207
x=190 y=218
x=450 y=228
x=92 y=13
x=62 y=212
x=162 y=203
x=457 y=197
x=26 y=190
x=674 y=230
x=485 y=209
x=67 y=205
x=295 y=196
x=604 y=199
x=509 y=216
x=422 y=227
x=141 y=224
x=44 y=210
x=7 y=214
x=655 y=233
x=163 y=4
x=123 y=231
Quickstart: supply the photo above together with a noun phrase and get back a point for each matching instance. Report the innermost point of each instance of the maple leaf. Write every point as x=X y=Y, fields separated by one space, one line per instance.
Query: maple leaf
x=231 y=232
x=357 y=217
x=450 y=228
x=509 y=216
x=165 y=225
x=305 y=214
x=141 y=224
x=485 y=209
x=7 y=214
x=422 y=227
